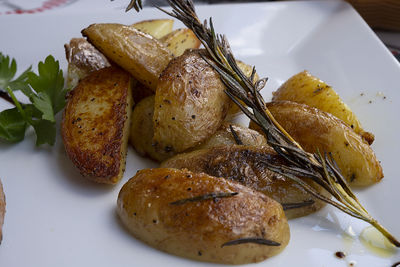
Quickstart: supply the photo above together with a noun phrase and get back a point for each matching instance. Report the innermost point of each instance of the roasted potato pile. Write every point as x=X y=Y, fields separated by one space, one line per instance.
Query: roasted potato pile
x=318 y=130
x=214 y=198
x=95 y=124
x=180 y=212
x=2 y=209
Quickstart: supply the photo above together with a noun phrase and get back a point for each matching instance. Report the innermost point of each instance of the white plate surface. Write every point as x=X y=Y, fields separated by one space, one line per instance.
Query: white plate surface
x=57 y=218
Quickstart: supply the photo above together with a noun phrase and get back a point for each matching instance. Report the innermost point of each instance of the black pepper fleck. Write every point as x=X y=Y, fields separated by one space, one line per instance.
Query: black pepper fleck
x=340 y=254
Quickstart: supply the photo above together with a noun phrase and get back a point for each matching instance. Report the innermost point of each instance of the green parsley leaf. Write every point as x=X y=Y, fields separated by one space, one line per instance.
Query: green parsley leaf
x=46 y=92
x=7 y=73
x=12 y=125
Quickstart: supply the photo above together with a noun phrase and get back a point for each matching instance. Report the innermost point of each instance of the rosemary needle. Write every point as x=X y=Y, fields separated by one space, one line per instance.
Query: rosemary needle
x=299 y=164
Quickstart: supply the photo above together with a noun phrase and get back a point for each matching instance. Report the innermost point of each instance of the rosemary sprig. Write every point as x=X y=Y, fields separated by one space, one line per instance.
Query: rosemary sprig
x=300 y=165
x=256 y=240
x=213 y=196
x=290 y=206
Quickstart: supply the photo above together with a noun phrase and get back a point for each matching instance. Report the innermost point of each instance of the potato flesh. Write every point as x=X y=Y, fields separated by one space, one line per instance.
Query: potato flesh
x=197 y=230
x=180 y=40
x=315 y=129
x=307 y=89
x=243 y=164
x=190 y=103
x=96 y=122
x=140 y=54
x=156 y=27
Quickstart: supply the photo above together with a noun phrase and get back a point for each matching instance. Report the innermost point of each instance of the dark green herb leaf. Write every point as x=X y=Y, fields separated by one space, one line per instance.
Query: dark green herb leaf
x=12 y=125
x=208 y=196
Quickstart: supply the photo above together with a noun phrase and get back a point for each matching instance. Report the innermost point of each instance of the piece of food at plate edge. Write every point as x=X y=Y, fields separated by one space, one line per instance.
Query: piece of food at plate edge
x=202 y=217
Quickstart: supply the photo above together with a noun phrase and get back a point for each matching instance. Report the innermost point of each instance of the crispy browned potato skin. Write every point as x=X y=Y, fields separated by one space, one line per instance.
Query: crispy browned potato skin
x=197 y=230
x=307 y=89
x=82 y=58
x=2 y=209
x=140 y=54
x=315 y=129
x=190 y=103
x=96 y=122
x=243 y=164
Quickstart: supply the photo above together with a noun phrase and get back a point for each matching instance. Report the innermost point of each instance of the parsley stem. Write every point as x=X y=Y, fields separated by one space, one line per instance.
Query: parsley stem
x=6 y=97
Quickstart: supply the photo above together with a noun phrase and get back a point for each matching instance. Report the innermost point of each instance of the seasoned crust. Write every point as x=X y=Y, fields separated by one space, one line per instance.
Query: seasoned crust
x=96 y=122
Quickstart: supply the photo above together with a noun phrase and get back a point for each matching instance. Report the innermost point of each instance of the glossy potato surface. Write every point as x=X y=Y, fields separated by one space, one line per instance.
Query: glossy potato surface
x=315 y=129
x=244 y=164
x=82 y=58
x=198 y=229
x=190 y=103
x=95 y=124
x=140 y=54
x=2 y=209
x=307 y=89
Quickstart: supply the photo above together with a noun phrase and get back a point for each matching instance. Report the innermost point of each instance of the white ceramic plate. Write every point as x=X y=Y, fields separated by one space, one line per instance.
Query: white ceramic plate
x=57 y=218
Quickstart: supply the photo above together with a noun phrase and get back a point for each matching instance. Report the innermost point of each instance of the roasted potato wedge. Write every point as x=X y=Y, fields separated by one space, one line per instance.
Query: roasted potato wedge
x=307 y=89
x=180 y=40
x=244 y=164
x=155 y=27
x=95 y=124
x=190 y=103
x=318 y=130
x=82 y=58
x=141 y=133
x=140 y=54
x=155 y=205
x=2 y=209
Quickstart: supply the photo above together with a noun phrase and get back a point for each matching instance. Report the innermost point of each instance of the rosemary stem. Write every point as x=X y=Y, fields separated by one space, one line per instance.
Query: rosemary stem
x=384 y=231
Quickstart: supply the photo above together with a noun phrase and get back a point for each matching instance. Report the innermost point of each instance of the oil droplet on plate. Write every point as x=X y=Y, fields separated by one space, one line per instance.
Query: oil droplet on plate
x=377 y=243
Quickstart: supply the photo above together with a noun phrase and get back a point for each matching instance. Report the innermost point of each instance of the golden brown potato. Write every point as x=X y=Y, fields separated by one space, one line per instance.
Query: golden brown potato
x=2 y=209
x=307 y=89
x=140 y=54
x=190 y=103
x=180 y=40
x=155 y=27
x=141 y=133
x=95 y=124
x=244 y=164
x=82 y=58
x=159 y=207
x=315 y=129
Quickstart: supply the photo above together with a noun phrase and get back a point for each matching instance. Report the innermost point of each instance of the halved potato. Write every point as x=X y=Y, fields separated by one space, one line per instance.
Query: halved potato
x=140 y=54
x=180 y=40
x=246 y=165
x=315 y=129
x=155 y=27
x=82 y=58
x=95 y=124
x=190 y=103
x=2 y=209
x=141 y=133
x=307 y=89
x=152 y=206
